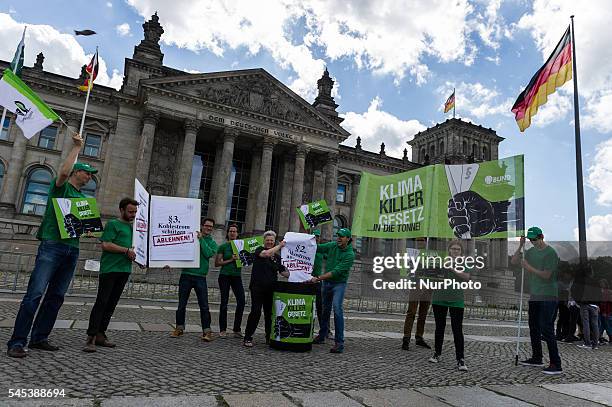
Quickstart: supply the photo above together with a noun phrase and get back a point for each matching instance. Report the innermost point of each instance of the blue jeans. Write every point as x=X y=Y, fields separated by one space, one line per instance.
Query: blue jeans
x=53 y=270
x=541 y=326
x=198 y=283
x=333 y=296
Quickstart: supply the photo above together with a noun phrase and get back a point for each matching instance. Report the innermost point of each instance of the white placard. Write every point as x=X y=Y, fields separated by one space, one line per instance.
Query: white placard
x=92 y=265
x=298 y=256
x=140 y=230
x=174 y=223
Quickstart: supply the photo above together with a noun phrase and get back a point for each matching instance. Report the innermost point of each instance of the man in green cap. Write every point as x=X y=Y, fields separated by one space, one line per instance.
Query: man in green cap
x=340 y=257
x=540 y=262
x=317 y=270
x=55 y=262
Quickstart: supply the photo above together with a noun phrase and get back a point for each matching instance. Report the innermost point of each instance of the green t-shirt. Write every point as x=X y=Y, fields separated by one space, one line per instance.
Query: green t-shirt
x=119 y=233
x=338 y=261
x=317 y=268
x=229 y=269
x=449 y=297
x=48 y=229
x=208 y=248
x=545 y=259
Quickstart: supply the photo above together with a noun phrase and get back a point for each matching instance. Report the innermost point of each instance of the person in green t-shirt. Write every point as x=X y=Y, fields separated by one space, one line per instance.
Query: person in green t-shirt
x=196 y=278
x=541 y=262
x=230 y=277
x=55 y=262
x=115 y=268
x=450 y=300
x=338 y=264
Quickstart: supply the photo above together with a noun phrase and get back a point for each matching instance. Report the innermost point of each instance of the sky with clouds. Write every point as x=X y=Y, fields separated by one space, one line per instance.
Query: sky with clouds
x=394 y=62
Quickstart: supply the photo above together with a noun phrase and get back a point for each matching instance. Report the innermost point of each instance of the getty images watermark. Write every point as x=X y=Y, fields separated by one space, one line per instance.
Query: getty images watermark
x=432 y=272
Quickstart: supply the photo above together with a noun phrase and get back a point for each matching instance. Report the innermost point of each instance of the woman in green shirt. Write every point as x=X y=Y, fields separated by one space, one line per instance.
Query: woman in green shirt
x=229 y=277
x=450 y=300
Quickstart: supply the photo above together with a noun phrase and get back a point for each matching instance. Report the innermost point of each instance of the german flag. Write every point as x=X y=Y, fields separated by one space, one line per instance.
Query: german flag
x=450 y=102
x=92 y=72
x=555 y=72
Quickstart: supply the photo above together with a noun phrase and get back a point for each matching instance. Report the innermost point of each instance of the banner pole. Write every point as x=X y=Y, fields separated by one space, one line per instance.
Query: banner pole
x=520 y=315
x=89 y=86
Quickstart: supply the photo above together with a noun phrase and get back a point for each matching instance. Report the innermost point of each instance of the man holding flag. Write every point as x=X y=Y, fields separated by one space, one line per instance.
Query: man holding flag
x=55 y=262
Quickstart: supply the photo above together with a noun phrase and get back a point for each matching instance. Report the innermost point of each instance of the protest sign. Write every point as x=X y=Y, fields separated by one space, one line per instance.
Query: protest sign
x=77 y=217
x=314 y=214
x=245 y=249
x=298 y=256
x=484 y=200
x=140 y=233
x=174 y=223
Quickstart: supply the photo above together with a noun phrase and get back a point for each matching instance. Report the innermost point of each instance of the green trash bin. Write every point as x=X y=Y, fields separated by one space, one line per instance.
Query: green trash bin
x=293 y=306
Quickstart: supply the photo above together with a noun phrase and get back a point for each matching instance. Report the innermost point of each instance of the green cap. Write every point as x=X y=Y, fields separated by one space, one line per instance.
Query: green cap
x=534 y=232
x=344 y=232
x=316 y=232
x=84 y=167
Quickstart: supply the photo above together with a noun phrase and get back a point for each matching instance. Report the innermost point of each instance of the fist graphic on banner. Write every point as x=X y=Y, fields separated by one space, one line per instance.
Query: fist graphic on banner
x=73 y=225
x=470 y=215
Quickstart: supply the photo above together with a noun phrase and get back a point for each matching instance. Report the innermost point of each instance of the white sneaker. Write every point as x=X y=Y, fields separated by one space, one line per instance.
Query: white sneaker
x=461 y=365
x=583 y=346
x=434 y=358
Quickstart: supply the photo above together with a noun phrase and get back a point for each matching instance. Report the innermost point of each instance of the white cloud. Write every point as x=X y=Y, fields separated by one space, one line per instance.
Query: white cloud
x=387 y=37
x=375 y=126
x=599 y=228
x=600 y=173
x=109 y=4
x=123 y=30
x=546 y=23
x=557 y=107
x=475 y=99
x=63 y=54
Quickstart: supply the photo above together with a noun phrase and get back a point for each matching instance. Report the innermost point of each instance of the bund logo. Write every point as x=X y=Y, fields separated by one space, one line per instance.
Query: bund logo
x=489 y=180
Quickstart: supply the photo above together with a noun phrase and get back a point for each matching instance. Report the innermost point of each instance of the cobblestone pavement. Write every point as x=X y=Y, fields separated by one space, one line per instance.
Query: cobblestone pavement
x=152 y=364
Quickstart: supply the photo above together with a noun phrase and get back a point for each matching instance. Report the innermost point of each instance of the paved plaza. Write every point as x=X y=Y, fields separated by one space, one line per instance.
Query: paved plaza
x=150 y=368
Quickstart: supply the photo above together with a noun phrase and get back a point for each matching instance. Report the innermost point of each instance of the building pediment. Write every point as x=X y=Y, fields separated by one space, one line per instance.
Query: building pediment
x=252 y=91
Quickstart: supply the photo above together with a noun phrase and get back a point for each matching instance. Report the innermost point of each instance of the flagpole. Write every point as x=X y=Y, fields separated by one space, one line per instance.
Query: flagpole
x=454 y=104
x=582 y=247
x=15 y=72
x=89 y=86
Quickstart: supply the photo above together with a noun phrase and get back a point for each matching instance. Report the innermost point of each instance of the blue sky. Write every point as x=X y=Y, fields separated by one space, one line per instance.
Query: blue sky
x=395 y=62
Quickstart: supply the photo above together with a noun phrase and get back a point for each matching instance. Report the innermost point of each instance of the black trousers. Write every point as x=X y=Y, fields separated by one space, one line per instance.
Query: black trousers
x=261 y=297
x=235 y=283
x=563 y=322
x=110 y=287
x=456 y=315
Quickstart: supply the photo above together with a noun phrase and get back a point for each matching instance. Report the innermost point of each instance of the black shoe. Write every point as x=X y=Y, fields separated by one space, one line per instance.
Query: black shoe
x=318 y=340
x=422 y=343
x=16 y=352
x=552 y=370
x=44 y=345
x=406 y=343
x=532 y=362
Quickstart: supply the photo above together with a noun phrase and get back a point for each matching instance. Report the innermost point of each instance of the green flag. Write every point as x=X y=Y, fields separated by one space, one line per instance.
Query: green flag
x=17 y=62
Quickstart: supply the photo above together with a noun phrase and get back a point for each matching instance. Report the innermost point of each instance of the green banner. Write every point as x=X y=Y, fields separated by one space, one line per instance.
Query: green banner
x=245 y=248
x=292 y=317
x=77 y=217
x=481 y=200
x=314 y=214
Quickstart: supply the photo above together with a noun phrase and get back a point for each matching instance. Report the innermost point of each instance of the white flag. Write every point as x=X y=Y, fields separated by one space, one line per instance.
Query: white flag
x=298 y=256
x=31 y=113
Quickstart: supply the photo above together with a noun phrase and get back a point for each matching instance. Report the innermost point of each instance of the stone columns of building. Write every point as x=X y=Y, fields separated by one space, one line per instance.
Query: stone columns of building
x=263 y=190
x=145 y=147
x=186 y=158
x=318 y=184
x=286 y=209
x=331 y=186
x=471 y=247
x=249 y=223
x=503 y=252
x=217 y=204
x=215 y=181
x=73 y=122
x=298 y=187
x=8 y=197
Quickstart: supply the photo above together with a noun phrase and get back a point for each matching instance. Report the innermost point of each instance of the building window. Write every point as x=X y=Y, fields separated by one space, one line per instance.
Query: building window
x=441 y=147
x=92 y=145
x=201 y=178
x=36 y=192
x=485 y=155
x=465 y=151
x=341 y=193
x=339 y=223
x=47 y=136
x=432 y=151
x=238 y=191
x=89 y=190
x=5 y=128
x=423 y=154
x=2 y=171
